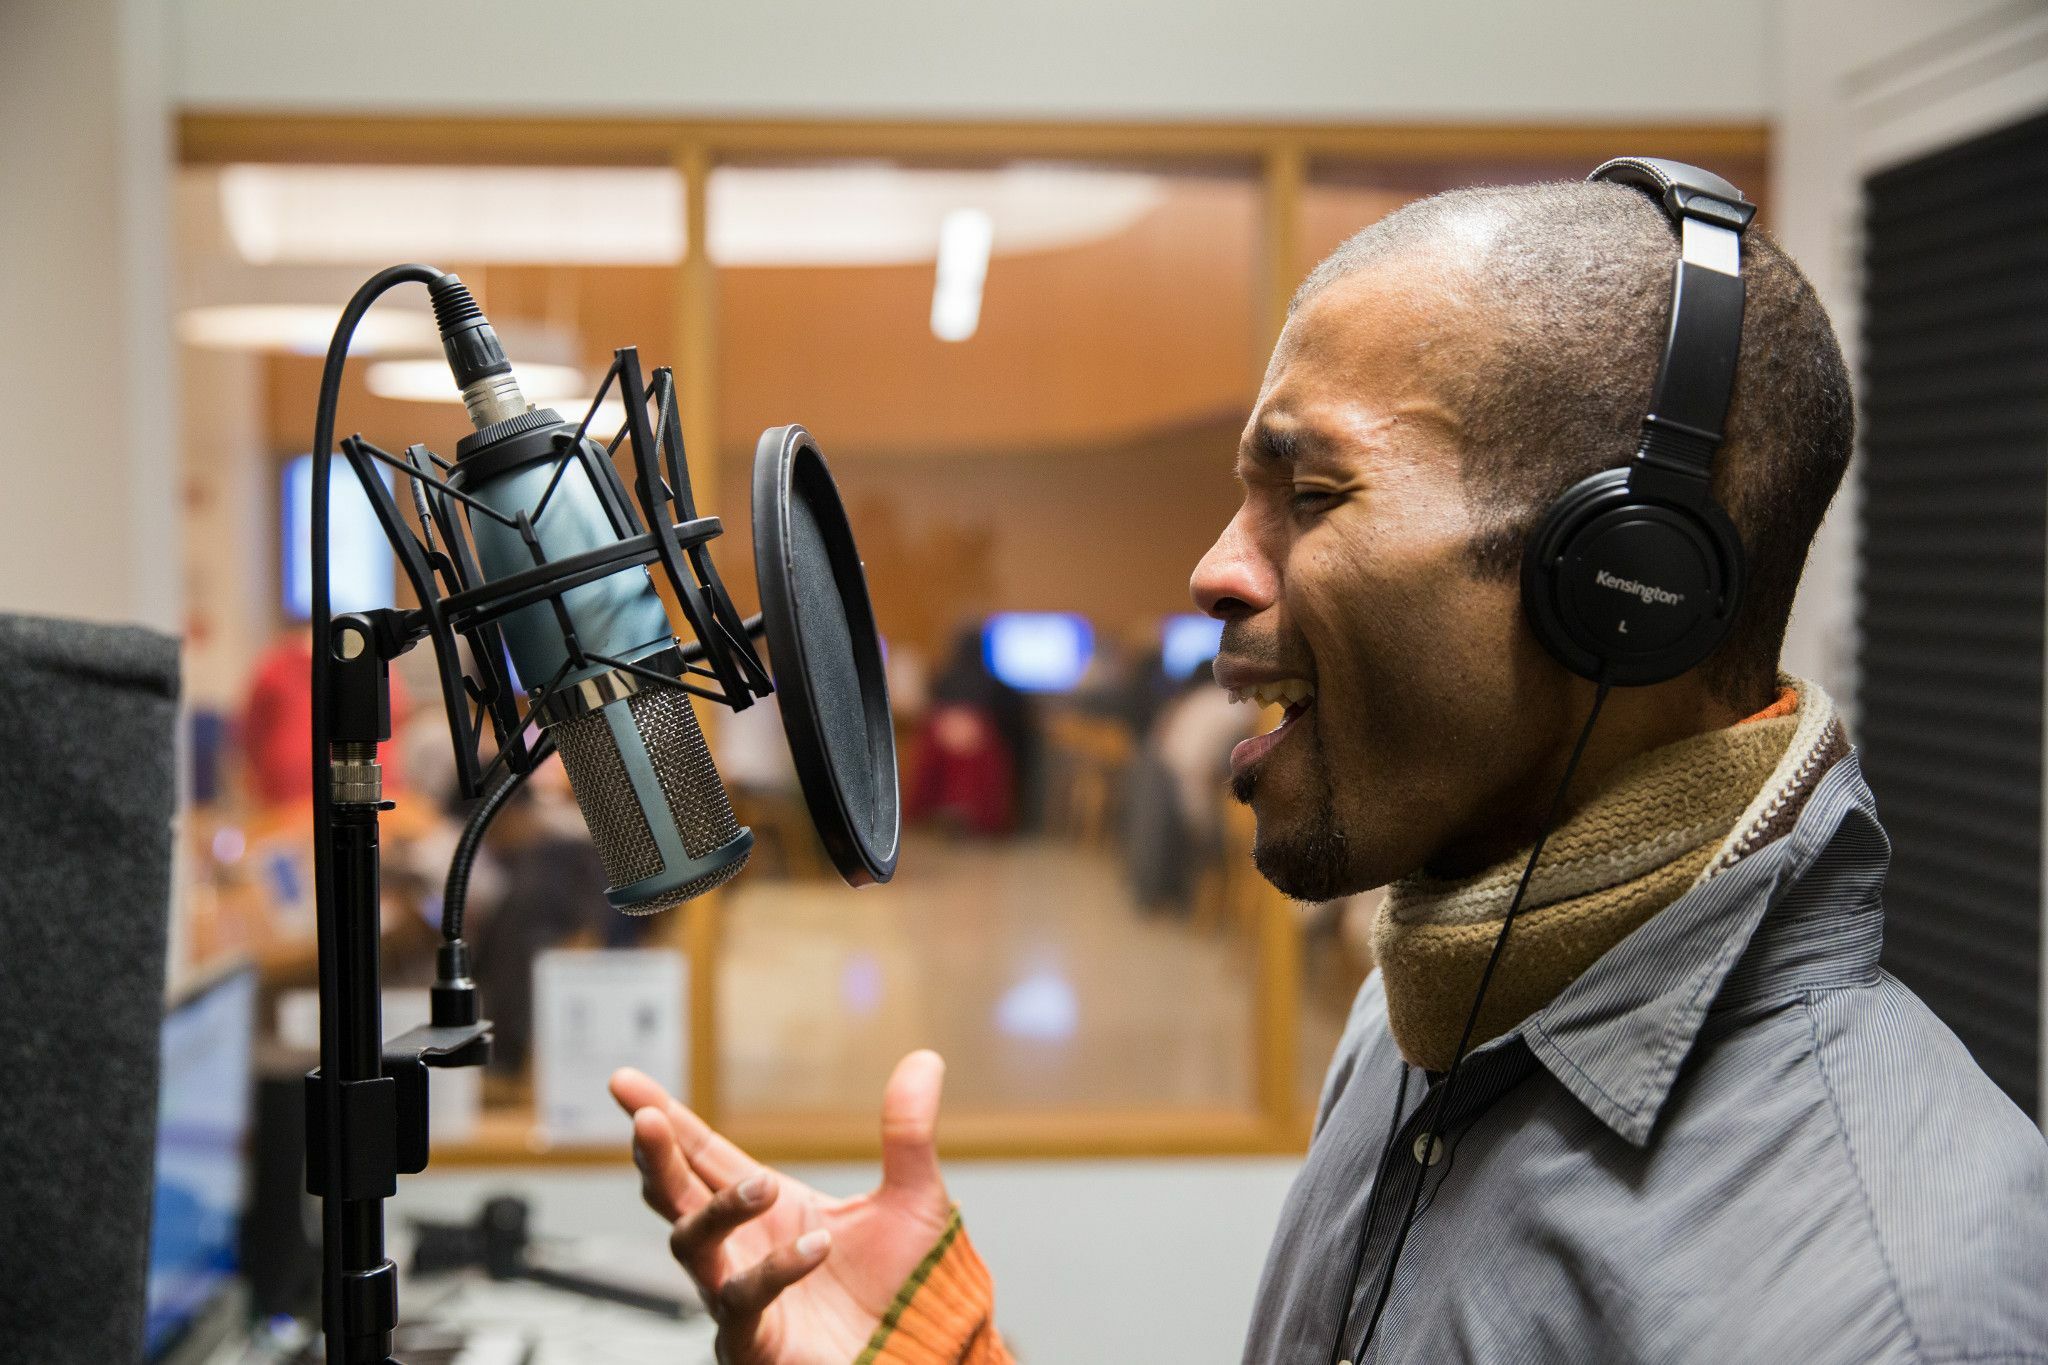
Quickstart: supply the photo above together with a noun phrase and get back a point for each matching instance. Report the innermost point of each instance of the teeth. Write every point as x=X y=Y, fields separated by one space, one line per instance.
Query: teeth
x=1286 y=692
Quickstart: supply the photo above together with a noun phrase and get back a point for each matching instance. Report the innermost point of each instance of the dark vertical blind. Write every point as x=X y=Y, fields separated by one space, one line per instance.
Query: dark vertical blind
x=1954 y=577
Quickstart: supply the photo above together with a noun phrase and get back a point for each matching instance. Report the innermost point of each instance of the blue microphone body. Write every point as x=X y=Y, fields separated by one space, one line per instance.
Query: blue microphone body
x=619 y=617
x=631 y=745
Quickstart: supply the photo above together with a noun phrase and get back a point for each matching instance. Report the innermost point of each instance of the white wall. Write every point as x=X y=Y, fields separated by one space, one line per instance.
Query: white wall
x=89 y=460
x=1865 y=83
x=1095 y=1262
x=1221 y=59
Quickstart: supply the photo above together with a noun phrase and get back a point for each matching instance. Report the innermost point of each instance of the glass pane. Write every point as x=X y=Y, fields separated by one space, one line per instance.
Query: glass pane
x=1029 y=380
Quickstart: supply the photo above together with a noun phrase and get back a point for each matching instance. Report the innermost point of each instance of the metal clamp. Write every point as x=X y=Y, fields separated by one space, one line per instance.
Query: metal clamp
x=570 y=700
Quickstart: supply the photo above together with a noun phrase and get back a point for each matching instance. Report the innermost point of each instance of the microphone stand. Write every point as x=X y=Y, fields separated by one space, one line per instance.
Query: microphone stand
x=366 y=1104
x=354 y=1132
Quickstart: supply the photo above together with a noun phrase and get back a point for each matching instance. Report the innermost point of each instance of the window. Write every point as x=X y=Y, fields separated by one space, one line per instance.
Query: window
x=1027 y=354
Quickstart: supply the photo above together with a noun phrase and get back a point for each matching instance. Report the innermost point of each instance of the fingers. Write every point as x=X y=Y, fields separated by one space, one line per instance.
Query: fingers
x=698 y=1238
x=636 y=1090
x=910 y=1118
x=667 y=1183
x=745 y=1296
x=708 y=1152
x=713 y=1158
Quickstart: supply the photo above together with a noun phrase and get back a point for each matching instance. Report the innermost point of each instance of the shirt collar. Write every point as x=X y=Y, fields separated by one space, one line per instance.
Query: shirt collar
x=1617 y=1036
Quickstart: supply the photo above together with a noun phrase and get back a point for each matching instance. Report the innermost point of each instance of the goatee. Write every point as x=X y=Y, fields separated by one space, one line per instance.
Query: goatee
x=1312 y=865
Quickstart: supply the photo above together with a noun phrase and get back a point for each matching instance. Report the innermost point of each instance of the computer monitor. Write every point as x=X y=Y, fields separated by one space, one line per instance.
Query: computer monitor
x=202 y=1141
x=360 y=571
x=1186 y=642
x=1038 y=651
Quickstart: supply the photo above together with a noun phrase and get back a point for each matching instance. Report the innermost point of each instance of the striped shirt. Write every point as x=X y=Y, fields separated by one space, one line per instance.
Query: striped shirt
x=1733 y=1138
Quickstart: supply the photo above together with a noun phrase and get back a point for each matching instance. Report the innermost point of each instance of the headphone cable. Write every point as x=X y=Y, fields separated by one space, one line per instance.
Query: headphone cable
x=1432 y=1132
x=1372 y=1205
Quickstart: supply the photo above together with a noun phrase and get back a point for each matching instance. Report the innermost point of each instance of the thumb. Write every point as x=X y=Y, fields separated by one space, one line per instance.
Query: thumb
x=910 y=1119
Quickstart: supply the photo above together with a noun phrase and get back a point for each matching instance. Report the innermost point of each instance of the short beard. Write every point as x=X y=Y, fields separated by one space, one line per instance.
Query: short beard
x=1315 y=865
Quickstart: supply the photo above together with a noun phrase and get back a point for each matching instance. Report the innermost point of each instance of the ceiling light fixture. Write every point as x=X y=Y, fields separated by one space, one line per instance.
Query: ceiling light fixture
x=470 y=214
x=965 y=237
x=429 y=381
x=848 y=213
x=304 y=329
x=561 y=387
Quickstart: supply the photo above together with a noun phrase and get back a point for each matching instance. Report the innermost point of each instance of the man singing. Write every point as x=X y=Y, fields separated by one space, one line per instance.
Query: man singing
x=1694 y=1121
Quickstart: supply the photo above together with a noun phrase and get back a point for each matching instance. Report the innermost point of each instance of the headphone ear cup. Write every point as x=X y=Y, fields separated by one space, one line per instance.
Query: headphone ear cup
x=1628 y=589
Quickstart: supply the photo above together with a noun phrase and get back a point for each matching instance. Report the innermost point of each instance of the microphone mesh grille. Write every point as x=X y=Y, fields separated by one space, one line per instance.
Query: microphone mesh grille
x=597 y=774
x=696 y=799
x=682 y=763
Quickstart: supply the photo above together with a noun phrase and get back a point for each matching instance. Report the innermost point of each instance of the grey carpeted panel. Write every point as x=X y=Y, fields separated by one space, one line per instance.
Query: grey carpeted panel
x=87 y=787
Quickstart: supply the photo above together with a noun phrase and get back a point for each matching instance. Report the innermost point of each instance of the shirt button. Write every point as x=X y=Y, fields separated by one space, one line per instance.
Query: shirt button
x=1432 y=1153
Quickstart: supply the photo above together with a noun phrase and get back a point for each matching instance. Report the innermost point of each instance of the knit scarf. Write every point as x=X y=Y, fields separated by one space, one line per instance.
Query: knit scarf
x=1665 y=822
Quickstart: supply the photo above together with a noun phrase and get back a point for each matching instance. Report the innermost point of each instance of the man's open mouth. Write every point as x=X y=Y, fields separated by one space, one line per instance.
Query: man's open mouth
x=1295 y=695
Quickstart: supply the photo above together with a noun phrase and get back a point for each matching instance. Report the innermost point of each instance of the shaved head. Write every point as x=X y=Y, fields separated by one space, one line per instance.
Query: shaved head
x=1557 y=298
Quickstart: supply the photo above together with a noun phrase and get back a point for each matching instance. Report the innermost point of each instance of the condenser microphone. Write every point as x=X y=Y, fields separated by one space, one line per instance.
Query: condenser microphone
x=630 y=743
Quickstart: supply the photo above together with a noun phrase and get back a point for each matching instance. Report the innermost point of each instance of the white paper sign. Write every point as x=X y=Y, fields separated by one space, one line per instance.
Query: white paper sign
x=595 y=1010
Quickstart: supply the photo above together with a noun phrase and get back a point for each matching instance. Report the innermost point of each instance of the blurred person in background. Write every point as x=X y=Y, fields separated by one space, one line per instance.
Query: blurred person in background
x=1194 y=736
x=974 y=760
x=1146 y=690
x=1174 y=792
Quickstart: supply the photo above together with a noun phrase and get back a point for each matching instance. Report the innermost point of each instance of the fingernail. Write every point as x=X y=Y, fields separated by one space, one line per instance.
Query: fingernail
x=752 y=1188
x=811 y=1243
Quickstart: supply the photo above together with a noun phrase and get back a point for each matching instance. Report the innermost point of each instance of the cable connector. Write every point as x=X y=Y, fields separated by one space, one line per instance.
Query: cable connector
x=475 y=356
x=455 y=1003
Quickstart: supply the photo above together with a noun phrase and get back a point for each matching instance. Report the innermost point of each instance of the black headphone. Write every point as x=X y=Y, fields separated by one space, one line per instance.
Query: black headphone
x=1634 y=575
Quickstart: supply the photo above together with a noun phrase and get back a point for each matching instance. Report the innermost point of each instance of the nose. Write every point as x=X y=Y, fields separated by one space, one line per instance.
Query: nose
x=1235 y=579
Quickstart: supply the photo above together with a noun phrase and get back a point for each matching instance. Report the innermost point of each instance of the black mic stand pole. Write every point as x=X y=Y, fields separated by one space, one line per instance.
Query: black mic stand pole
x=352 y=1109
x=366 y=1104
x=378 y=1130
x=351 y=1157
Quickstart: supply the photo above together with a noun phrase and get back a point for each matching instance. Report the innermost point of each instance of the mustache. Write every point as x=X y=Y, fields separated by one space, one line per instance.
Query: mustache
x=1241 y=643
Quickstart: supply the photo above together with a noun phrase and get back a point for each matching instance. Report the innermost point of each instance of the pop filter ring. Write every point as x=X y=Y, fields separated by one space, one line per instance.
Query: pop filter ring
x=789 y=465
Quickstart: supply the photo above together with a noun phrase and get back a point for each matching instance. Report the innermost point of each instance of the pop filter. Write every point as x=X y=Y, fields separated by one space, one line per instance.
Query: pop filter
x=825 y=656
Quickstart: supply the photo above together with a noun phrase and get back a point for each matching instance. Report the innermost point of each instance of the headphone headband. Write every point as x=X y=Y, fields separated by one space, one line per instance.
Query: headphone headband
x=1679 y=188
x=1696 y=379
x=1634 y=575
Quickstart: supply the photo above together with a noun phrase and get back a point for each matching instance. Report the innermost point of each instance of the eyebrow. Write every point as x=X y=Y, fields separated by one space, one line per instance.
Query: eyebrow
x=1288 y=446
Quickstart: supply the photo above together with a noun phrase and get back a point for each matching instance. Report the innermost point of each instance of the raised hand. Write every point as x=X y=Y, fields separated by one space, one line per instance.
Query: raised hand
x=792 y=1277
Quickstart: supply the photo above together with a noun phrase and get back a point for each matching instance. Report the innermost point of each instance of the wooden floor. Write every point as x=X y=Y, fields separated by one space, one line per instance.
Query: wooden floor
x=1027 y=963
